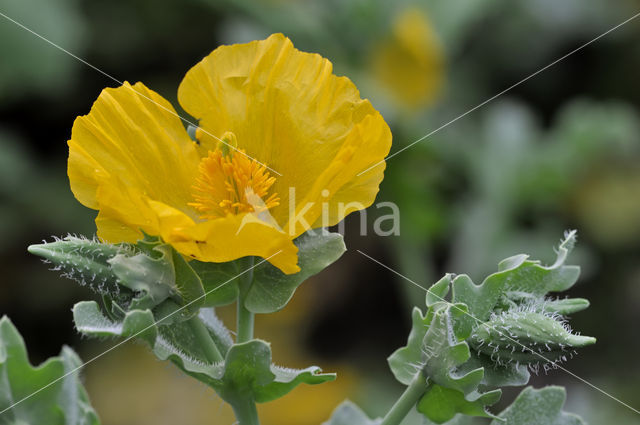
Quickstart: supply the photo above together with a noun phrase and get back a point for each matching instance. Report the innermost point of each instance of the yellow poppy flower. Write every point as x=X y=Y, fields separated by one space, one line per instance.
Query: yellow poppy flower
x=280 y=144
x=409 y=62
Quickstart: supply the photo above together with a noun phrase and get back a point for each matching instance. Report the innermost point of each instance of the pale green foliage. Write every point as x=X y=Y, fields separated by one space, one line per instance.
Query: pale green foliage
x=55 y=394
x=538 y=407
x=153 y=294
x=471 y=340
x=489 y=333
x=350 y=414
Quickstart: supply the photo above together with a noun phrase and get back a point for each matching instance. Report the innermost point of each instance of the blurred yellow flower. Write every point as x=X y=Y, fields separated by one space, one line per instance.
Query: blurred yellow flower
x=280 y=143
x=409 y=62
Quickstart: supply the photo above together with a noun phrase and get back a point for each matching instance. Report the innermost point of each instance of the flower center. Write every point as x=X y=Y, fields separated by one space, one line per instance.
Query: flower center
x=232 y=183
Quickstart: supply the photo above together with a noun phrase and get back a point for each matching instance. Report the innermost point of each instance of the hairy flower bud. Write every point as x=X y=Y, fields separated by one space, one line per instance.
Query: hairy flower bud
x=83 y=260
x=127 y=274
x=529 y=337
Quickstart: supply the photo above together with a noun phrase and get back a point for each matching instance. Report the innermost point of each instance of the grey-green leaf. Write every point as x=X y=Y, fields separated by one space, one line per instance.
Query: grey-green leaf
x=90 y=321
x=246 y=373
x=440 y=404
x=517 y=275
x=349 y=413
x=271 y=289
x=55 y=394
x=443 y=352
x=406 y=361
x=538 y=407
x=219 y=282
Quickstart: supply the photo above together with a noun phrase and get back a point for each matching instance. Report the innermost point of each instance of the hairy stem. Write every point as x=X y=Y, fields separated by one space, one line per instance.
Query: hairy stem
x=245 y=318
x=407 y=401
x=205 y=341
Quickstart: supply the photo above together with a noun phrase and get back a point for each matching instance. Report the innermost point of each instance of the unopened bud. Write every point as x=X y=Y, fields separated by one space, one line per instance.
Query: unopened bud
x=527 y=337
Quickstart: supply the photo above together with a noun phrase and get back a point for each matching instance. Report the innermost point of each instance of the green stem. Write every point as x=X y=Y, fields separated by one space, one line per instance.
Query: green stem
x=407 y=401
x=245 y=318
x=205 y=341
x=246 y=413
x=245 y=323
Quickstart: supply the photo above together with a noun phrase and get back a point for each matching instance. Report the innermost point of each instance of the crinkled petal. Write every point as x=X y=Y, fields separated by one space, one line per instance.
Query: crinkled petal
x=361 y=154
x=291 y=113
x=133 y=139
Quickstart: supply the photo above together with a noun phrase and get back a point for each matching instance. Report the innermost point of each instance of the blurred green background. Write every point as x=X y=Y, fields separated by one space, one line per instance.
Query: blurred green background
x=560 y=151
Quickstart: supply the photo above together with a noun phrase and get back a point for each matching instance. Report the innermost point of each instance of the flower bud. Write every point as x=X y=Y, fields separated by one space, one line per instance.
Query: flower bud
x=127 y=274
x=83 y=260
x=529 y=337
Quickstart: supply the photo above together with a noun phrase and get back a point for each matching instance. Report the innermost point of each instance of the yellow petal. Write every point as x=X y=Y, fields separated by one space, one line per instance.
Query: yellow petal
x=339 y=190
x=291 y=113
x=227 y=238
x=124 y=211
x=131 y=138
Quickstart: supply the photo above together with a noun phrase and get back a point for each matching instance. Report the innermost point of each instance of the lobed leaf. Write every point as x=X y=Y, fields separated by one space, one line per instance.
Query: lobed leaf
x=517 y=277
x=436 y=346
x=538 y=407
x=444 y=351
x=406 y=361
x=441 y=404
x=246 y=373
x=90 y=321
x=271 y=289
x=55 y=394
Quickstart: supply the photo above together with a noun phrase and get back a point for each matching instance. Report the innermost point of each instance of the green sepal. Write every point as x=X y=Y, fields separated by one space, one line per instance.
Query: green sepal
x=496 y=375
x=271 y=289
x=55 y=394
x=348 y=413
x=566 y=306
x=173 y=272
x=440 y=404
x=246 y=373
x=90 y=321
x=538 y=407
x=189 y=287
x=150 y=278
x=444 y=351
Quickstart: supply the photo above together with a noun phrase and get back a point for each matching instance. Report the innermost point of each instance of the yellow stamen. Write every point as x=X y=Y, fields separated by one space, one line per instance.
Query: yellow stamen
x=232 y=184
